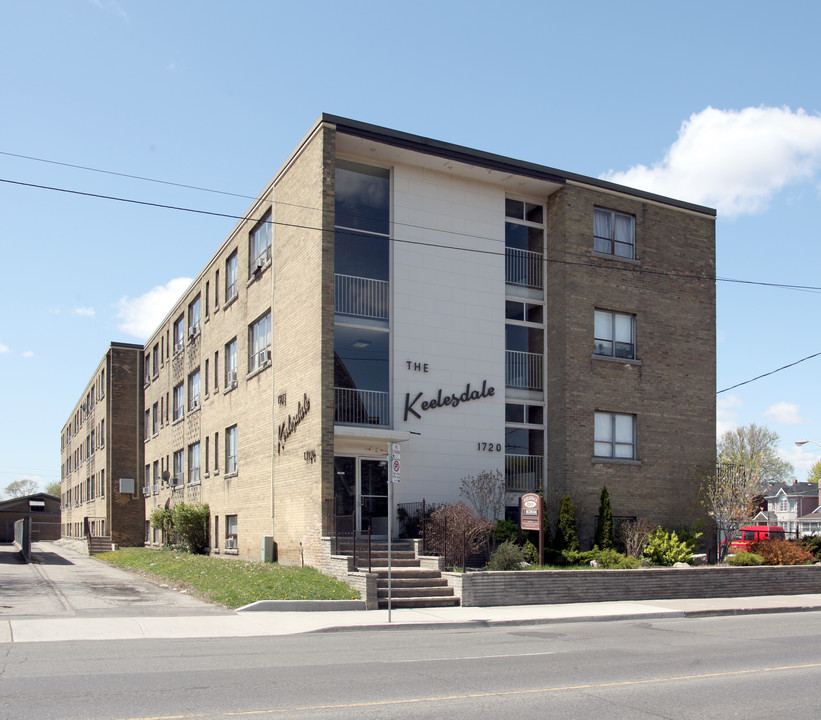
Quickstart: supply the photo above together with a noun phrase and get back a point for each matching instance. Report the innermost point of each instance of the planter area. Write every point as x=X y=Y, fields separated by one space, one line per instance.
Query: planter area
x=546 y=587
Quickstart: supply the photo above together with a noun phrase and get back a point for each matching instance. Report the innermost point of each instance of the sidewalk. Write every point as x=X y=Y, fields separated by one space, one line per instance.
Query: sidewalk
x=201 y=621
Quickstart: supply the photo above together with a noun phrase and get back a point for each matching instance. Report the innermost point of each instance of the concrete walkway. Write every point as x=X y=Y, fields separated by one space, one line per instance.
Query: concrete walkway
x=190 y=618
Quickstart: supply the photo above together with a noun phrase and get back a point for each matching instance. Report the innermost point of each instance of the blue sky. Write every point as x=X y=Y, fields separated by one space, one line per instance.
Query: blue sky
x=714 y=102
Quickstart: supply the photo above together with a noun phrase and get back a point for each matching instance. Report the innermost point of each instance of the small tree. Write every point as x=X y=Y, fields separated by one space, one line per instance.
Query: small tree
x=190 y=524
x=634 y=535
x=729 y=495
x=486 y=493
x=162 y=519
x=604 y=524
x=567 y=534
x=53 y=488
x=814 y=474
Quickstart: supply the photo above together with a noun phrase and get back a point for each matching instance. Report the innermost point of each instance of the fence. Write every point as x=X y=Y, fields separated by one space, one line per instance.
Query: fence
x=22 y=537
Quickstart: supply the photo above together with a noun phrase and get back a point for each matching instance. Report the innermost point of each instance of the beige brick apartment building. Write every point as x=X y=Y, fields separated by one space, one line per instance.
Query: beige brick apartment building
x=101 y=453
x=482 y=312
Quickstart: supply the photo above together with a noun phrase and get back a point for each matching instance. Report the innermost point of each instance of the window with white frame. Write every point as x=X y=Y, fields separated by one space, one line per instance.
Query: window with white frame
x=524 y=243
x=179 y=402
x=194 y=316
x=231 y=450
x=194 y=390
x=231 y=276
x=614 y=334
x=615 y=436
x=613 y=233
x=194 y=463
x=231 y=364
x=259 y=342
x=179 y=334
x=179 y=469
x=231 y=532
x=155 y=419
x=259 y=245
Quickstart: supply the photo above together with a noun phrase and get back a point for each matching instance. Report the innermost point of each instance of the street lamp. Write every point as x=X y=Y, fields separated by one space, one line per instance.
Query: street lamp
x=804 y=442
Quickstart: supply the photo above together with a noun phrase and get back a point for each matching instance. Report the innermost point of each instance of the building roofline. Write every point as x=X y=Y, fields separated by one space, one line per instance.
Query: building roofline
x=492 y=161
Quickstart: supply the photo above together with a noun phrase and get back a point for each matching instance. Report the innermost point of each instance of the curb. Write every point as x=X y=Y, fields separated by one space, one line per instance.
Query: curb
x=301 y=605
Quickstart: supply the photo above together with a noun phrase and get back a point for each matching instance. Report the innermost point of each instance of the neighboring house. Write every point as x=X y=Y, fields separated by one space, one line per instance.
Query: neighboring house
x=101 y=452
x=785 y=504
x=42 y=508
x=810 y=524
x=483 y=313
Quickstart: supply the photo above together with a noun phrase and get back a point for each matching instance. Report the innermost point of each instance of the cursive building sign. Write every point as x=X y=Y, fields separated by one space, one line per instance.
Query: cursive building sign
x=289 y=427
x=445 y=400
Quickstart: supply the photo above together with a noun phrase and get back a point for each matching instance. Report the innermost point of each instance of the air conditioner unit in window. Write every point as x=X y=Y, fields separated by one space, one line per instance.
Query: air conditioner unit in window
x=194 y=330
x=176 y=480
x=195 y=403
x=232 y=377
x=259 y=263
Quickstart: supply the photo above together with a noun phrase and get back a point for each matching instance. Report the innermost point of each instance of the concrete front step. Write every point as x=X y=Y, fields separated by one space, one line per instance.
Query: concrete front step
x=419 y=602
x=407 y=572
x=99 y=545
x=405 y=582
x=422 y=592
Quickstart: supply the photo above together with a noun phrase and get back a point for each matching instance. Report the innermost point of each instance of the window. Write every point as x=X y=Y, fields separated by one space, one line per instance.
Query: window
x=231 y=268
x=155 y=419
x=230 y=532
x=615 y=436
x=155 y=361
x=216 y=532
x=102 y=432
x=230 y=450
x=194 y=463
x=147 y=425
x=524 y=243
x=216 y=453
x=207 y=440
x=207 y=376
x=613 y=233
x=179 y=334
x=93 y=442
x=216 y=370
x=231 y=364
x=259 y=342
x=156 y=475
x=259 y=245
x=179 y=460
x=217 y=291
x=614 y=334
x=194 y=390
x=207 y=298
x=102 y=483
x=194 y=315
x=179 y=400
x=147 y=369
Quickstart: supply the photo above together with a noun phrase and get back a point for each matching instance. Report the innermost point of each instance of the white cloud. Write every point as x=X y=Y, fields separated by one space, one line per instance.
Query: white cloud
x=784 y=413
x=4 y=349
x=733 y=160
x=84 y=311
x=801 y=458
x=28 y=353
x=111 y=6
x=726 y=417
x=140 y=316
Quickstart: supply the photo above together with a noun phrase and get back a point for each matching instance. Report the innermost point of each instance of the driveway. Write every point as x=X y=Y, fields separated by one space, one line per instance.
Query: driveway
x=61 y=582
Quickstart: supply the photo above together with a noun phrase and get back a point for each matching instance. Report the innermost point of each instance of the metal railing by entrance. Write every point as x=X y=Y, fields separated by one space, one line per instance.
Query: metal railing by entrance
x=524 y=370
x=347 y=539
x=523 y=473
x=523 y=268
x=361 y=297
x=361 y=407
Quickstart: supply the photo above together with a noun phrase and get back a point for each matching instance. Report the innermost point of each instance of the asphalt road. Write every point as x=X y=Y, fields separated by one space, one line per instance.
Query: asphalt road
x=755 y=666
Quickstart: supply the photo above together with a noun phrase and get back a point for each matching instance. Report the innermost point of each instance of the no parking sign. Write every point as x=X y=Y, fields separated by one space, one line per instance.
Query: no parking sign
x=395 y=464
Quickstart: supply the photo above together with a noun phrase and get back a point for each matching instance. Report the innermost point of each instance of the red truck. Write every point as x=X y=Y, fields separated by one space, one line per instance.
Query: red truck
x=748 y=535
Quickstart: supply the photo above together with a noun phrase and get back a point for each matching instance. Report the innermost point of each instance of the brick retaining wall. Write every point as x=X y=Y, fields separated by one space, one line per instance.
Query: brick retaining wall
x=484 y=589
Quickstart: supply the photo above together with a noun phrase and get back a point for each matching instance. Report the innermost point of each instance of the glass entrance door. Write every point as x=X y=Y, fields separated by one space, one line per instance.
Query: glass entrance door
x=361 y=493
x=373 y=494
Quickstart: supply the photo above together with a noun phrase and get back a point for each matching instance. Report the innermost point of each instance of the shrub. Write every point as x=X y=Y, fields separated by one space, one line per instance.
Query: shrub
x=531 y=552
x=610 y=559
x=567 y=535
x=162 y=519
x=813 y=544
x=744 y=558
x=782 y=552
x=633 y=534
x=665 y=548
x=191 y=526
x=508 y=556
x=456 y=532
x=505 y=530
x=603 y=537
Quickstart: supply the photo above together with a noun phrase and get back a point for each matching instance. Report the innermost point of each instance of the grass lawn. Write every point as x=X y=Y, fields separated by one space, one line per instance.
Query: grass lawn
x=232 y=583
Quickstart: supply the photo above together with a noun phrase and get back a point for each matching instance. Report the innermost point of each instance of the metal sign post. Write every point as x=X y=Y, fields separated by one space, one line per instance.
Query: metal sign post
x=394 y=478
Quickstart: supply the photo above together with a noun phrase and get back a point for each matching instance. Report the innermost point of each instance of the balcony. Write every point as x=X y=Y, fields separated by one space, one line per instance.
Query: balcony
x=361 y=407
x=524 y=370
x=361 y=297
x=523 y=473
x=524 y=268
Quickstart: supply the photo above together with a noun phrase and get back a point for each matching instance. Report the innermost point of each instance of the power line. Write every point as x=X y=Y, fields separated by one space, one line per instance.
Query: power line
x=772 y=372
x=231 y=216
x=126 y=175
